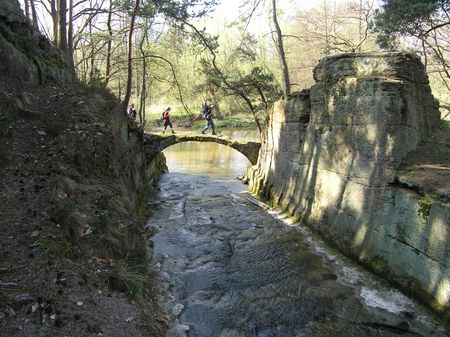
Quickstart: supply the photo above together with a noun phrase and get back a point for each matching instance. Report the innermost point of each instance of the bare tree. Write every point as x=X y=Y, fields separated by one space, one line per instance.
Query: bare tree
x=26 y=5
x=33 y=13
x=109 y=44
x=70 y=50
x=126 y=99
x=62 y=24
x=54 y=15
x=281 y=52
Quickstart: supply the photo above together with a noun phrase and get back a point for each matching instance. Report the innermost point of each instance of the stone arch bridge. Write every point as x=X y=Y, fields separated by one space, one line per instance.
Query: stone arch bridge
x=154 y=143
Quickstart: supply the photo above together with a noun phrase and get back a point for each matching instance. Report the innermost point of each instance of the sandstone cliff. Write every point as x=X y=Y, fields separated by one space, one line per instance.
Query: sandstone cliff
x=331 y=158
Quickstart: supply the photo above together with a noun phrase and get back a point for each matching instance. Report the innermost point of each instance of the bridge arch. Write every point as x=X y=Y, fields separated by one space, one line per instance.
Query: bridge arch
x=156 y=143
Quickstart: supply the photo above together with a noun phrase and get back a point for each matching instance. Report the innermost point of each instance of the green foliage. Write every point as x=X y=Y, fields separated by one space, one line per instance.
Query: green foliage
x=183 y=9
x=408 y=18
x=238 y=76
x=425 y=25
x=424 y=207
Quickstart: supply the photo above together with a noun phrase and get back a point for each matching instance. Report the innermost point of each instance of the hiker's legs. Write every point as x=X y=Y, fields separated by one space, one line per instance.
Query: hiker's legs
x=206 y=127
x=212 y=127
x=167 y=123
x=171 y=126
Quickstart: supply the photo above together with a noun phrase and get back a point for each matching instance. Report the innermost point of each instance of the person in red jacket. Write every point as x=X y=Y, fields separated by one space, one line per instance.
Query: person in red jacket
x=166 y=119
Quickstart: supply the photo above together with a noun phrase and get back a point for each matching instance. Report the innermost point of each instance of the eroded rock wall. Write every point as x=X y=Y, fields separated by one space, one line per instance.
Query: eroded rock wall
x=27 y=56
x=330 y=158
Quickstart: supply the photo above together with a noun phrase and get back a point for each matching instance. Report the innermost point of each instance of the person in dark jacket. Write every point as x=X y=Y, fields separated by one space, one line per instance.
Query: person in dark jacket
x=207 y=114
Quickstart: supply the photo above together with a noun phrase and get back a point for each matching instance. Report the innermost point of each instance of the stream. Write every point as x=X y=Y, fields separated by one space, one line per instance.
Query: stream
x=229 y=266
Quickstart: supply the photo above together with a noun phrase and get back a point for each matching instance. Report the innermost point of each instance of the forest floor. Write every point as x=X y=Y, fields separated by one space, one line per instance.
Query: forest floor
x=49 y=285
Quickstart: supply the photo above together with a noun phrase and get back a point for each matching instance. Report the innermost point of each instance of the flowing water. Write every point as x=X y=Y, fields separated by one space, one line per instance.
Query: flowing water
x=230 y=267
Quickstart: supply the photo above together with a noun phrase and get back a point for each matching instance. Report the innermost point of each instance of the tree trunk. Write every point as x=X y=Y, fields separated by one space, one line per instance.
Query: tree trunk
x=360 y=25
x=91 y=56
x=70 y=37
x=144 y=75
x=33 y=13
x=109 y=47
x=281 y=52
x=26 y=5
x=215 y=103
x=62 y=25
x=327 y=35
x=217 y=110
x=54 y=14
x=126 y=99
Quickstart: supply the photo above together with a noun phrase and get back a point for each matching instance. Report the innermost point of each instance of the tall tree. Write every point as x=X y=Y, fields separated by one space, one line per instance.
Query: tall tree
x=109 y=44
x=281 y=52
x=26 y=5
x=126 y=99
x=70 y=37
x=255 y=88
x=54 y=15
x=427 y=21
x=62 y=38
x=33 y=13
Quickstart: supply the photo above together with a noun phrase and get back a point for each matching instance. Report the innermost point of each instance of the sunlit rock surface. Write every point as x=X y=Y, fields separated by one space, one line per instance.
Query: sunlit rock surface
x=331 y=157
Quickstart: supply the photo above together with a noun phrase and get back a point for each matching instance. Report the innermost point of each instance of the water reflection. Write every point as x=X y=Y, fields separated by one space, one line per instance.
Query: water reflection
x=240 y=134
x=205 y=159
x=209 y=159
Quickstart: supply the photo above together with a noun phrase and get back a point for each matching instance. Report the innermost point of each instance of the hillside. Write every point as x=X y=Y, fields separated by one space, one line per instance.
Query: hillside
x=73 y=186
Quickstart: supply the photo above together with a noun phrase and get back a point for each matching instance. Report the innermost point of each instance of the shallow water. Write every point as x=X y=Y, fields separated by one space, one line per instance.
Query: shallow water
x=229 y=267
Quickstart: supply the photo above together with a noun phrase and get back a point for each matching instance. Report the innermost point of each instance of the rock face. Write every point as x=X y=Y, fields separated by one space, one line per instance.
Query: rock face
x=27 y=61
x=27 y=57
x=330 y=158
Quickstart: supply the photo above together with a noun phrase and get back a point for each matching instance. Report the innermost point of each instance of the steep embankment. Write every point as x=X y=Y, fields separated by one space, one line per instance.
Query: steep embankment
x=73 y=185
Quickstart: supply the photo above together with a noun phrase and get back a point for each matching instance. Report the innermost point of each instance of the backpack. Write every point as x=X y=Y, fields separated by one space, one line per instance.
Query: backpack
x=206 y=110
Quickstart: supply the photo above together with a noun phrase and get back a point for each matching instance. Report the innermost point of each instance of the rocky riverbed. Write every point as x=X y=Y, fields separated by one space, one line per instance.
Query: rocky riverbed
x=229 y=267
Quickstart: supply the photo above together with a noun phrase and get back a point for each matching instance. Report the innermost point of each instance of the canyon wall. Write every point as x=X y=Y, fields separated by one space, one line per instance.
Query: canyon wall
x=331 y=157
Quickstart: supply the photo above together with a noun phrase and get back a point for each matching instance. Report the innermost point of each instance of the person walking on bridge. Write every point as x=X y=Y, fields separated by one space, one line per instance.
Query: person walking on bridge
x=166 y=119
x=207 y=114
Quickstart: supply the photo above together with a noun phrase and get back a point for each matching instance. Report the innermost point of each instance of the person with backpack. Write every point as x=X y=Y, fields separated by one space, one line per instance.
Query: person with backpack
x=207 y=114
x=166 y=119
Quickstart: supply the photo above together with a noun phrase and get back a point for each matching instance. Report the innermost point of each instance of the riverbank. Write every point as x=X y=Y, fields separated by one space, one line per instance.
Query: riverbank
x=73 y=187
x=74 y=180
